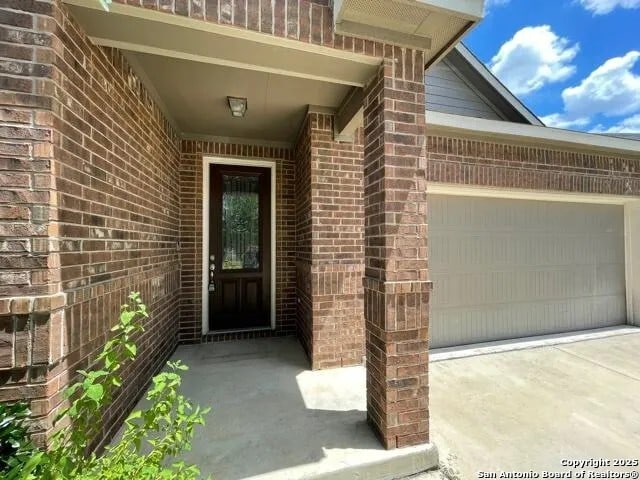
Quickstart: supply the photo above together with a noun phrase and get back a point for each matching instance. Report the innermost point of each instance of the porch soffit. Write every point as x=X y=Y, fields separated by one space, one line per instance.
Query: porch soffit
x=434 y=26
x=146 y=31
x=190 y=66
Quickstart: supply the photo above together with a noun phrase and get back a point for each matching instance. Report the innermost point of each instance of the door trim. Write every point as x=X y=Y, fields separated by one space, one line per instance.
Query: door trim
x=207 y=161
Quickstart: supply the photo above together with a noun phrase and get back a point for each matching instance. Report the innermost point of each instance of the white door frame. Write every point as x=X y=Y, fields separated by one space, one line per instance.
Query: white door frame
x=206 y=204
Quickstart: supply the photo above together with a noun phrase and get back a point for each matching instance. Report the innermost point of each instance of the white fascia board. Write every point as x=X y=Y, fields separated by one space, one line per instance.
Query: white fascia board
x=469 y=9
x=495 y=129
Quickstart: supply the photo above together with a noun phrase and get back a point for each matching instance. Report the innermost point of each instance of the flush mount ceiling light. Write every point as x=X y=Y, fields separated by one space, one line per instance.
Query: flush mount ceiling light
x=238 y=106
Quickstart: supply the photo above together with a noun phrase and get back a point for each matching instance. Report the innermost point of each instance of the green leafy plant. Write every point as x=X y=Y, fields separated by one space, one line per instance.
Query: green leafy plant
x=170 y=414
x=151 y=438
x=15 y=446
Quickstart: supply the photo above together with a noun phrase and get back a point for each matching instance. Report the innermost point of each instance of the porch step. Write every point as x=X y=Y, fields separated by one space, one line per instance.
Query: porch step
x=401 y=464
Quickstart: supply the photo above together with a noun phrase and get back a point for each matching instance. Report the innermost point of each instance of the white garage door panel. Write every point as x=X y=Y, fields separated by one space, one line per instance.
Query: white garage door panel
x=513 y=268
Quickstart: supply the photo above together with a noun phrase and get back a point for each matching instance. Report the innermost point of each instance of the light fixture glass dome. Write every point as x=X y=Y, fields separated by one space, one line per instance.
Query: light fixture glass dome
x=238 y=106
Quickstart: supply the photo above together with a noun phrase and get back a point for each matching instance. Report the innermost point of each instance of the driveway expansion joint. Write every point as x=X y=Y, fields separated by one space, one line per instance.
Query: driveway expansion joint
x=593 y=362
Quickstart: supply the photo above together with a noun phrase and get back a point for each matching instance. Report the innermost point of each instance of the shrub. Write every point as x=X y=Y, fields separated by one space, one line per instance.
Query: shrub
x=15 y=446
x=151 y=438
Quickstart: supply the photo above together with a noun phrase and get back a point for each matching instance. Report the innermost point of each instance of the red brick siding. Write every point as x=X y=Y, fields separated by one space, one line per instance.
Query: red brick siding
x=330 y=233
x=337 y=247
x=304 y=225
x=191 y=177
x=396 y=283
x=105 y=162
x=118 y=209
x=534 y=167
x=26 y=134
x=30 y=312
x=309 y=21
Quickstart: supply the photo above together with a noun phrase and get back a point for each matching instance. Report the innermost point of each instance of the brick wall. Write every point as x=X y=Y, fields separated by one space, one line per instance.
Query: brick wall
x=191 y=178
x=92 y=168
x=508 y=165
x=309 y=21
x=30 y=311
x=118 y=209
x=330 y=233
x=304 y=239
x=28 y=265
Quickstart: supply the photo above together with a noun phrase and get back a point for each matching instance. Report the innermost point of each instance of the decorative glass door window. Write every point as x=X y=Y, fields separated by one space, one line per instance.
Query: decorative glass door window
x=241 y=222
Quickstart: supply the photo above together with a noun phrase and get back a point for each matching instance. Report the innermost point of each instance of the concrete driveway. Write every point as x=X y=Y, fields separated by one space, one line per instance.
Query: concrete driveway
x=531 y=409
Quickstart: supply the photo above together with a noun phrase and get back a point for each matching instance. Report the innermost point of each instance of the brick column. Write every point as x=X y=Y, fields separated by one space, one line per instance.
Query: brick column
x=330 y=245
x=396 y=275
x=31 y=304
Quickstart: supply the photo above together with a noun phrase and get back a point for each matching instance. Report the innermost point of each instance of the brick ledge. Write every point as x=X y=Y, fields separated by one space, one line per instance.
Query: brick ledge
x=402 y=286
x=27 y=305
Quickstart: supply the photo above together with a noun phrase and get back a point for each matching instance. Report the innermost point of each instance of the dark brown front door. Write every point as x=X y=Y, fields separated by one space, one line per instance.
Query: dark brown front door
x=239 y=248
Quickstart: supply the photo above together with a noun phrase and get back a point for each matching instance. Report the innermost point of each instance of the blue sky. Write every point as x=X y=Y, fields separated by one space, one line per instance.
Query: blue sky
x=574 y=63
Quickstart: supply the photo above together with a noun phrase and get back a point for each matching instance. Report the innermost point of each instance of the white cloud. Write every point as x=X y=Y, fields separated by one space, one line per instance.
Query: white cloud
x=628 y=125
x=602 y=7
x=559 y=120
x=533 y=58
x=611 y=90
x=489 y=4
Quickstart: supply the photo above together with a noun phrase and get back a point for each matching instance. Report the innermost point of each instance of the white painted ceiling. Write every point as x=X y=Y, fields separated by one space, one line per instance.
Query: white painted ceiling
x=194 y=95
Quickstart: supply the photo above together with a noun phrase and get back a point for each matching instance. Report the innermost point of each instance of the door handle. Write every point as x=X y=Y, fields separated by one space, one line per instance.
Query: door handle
x=212 y=268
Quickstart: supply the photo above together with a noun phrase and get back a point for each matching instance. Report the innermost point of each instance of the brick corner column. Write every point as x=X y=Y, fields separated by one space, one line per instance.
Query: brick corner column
x=32 y=305
x=330 y=245
x=396 y=283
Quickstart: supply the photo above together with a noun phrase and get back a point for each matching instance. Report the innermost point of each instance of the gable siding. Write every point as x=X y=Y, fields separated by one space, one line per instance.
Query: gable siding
x=447 y=92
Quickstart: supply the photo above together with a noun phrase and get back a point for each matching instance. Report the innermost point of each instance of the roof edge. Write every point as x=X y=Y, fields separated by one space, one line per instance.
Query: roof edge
x=496 y=129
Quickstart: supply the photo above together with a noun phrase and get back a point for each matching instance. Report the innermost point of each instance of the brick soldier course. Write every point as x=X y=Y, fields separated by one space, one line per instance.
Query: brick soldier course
x=100 y=196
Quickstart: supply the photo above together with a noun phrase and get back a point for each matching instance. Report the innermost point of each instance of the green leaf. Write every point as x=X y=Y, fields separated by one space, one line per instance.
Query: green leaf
x=71 y=390
x=95 y=392
x=166 y=426
x=135 y=414
x=126 y=317
x=131 y=347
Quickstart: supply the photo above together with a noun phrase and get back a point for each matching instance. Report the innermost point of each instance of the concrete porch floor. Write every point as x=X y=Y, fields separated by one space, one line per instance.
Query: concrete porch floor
x=272 y=418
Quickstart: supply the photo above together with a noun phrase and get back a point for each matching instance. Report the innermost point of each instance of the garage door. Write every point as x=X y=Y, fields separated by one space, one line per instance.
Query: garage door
x=514 y=268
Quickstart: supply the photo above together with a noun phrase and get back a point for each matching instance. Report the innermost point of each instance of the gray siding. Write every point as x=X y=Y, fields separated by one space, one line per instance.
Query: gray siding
x=447 y=92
